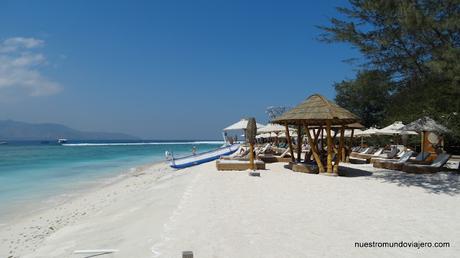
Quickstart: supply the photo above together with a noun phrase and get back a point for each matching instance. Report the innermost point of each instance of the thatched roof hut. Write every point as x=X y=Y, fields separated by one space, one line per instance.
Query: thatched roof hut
x=429 y=131
x=426 y=124
x=316 y=109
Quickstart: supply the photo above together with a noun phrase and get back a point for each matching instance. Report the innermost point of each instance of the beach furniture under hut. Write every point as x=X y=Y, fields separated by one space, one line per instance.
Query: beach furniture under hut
x=317 y=111
x=431 y=134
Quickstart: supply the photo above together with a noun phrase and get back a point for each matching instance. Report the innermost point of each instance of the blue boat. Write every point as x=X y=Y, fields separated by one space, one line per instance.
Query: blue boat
x=204 y=157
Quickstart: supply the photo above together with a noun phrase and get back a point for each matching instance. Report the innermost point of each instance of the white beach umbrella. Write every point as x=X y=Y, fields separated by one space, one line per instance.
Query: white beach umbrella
x=240 y=125
x=394 y=129
x=292 y=133
x=347 y=133
x=264 y=135
x=272 y=128
x=366 y=133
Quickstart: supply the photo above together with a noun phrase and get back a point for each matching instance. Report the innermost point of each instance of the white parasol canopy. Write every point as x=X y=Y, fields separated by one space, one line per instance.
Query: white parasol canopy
x=367 y=133
x=292 y=133
x=347 y=133
x=264 y=135
x=394 y=129
x=272 y=128
x=241 y=125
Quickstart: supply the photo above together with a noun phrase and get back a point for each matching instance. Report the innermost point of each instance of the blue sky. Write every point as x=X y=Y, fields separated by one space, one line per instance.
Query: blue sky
x=163 y=69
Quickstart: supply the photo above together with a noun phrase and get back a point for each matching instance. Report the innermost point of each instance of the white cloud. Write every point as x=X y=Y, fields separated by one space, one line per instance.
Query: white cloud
x=14 y=44
x=20 y=65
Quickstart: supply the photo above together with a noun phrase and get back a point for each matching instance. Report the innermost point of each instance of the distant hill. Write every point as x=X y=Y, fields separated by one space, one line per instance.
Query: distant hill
x=14 y=130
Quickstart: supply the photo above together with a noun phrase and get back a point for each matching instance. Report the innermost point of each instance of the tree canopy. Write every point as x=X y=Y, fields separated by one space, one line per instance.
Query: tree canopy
x=411 y=51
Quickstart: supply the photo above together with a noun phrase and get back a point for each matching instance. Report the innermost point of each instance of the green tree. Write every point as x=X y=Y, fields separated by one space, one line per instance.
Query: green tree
x=417 y=44
x=369 y=103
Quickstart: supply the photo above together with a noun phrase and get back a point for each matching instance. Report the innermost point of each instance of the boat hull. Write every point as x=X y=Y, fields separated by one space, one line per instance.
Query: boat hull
x=201 y=158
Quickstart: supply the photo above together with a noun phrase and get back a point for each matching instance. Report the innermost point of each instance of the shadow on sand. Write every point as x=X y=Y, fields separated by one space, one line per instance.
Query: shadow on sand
x=438 y=183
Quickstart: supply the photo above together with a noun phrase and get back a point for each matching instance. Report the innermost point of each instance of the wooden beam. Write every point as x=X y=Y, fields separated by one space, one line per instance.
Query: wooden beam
x=299 y=142
x=321 y=133
x=329 y=147
x=350 y=146
x=288 y=138
x=322 y=141
x=422 y=142
x=315 y=151
x=340 y=152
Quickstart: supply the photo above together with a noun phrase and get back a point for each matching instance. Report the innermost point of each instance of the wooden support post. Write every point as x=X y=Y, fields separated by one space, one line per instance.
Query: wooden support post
x=340 y=151
x=322 y=140
x=422 y=142
x=288 y=138
x=299 y=142
x=251 y=157
x=317 y=134
x=333 y=139
x=329 y=146
x=350 y=146
x=315 y=151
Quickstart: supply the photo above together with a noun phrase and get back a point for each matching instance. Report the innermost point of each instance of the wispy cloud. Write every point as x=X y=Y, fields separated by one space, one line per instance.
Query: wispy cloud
x=20 y=67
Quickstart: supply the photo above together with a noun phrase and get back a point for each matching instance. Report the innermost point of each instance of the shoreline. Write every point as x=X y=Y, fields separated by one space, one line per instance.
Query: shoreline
x=74 y=190
x=36 y=224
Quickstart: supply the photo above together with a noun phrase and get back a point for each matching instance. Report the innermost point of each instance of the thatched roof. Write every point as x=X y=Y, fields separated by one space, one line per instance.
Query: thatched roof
x=316 y=110
x=395 y=129
x=348 y=126
x=425 y=124
x=354 y=126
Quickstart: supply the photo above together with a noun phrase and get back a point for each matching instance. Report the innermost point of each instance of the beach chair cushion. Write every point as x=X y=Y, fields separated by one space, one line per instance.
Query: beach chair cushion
x=422 y=156
x=436 y=166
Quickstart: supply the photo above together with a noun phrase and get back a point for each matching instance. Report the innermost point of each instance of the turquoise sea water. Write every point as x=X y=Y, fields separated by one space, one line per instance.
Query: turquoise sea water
x=34 y=172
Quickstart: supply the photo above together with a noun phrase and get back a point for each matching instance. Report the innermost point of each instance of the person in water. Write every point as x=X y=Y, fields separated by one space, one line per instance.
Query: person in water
x=194 y=150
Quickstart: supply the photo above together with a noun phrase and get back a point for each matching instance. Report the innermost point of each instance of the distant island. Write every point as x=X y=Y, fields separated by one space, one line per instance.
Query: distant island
x=15 y=130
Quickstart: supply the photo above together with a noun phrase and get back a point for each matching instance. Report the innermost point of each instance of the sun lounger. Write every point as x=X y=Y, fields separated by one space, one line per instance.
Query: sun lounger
x=394 y=164
x=386 y=156
x=421 y=158
x=364 y=151
x=377 y=152
x=238 y=155
x=239 y=165
x=272 y=158
x=365 y=158
x=434 y=167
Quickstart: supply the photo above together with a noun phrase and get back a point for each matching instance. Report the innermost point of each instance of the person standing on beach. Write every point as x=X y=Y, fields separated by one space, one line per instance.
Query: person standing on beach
x=194 y=150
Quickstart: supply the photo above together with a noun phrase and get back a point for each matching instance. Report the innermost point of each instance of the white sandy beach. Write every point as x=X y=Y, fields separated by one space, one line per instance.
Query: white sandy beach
x=158 y=212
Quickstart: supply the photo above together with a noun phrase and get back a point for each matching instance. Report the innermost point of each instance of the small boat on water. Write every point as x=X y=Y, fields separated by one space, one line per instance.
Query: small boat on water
x=62 y=140
x=204 y=157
